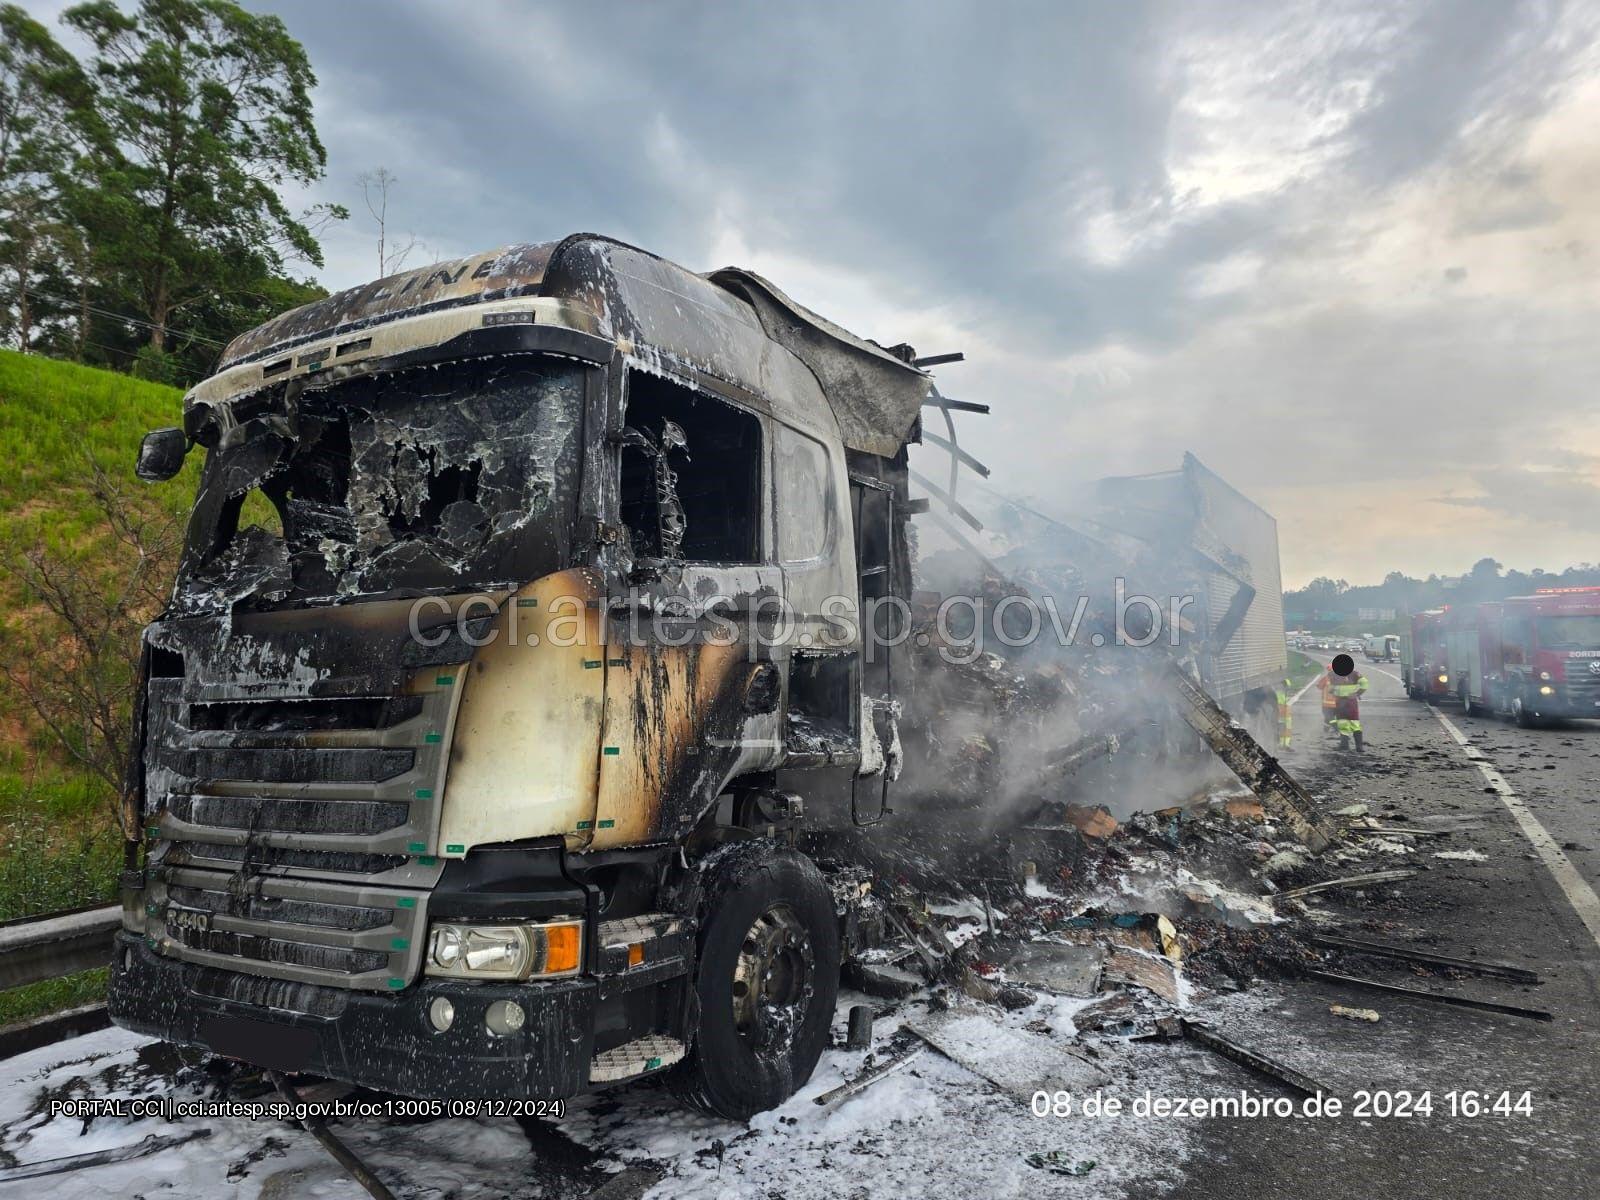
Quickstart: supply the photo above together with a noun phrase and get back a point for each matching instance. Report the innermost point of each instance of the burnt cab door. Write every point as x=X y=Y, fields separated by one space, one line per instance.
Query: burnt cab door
x=681 y=684
x=882 y=631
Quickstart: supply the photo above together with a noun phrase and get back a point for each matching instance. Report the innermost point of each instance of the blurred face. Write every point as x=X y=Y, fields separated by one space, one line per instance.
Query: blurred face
x=1343 y=664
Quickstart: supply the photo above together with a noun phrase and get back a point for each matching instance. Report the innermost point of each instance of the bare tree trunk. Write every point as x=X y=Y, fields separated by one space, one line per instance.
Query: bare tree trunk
x=24 y=309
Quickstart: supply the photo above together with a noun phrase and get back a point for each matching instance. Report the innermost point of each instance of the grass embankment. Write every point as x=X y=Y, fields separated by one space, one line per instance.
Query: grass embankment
x=59 y=845
x=1302 y=669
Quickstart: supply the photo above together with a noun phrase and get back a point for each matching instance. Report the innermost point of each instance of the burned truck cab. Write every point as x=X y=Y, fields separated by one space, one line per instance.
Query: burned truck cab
x=520 y=600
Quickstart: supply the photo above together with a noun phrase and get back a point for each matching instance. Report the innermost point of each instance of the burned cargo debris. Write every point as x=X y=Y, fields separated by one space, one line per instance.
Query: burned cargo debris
x=453 y=865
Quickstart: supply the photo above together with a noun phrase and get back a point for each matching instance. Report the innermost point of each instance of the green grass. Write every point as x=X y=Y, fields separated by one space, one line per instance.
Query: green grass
x=61 y=869
x=55 y=417
x=52 y=995
x=59 y=845
x=1302 y=669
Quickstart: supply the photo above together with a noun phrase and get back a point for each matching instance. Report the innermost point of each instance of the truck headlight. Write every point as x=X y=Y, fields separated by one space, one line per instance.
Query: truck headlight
x=1444 y=679
x=505 y=951
x=1545 y=675
x=1547 y=690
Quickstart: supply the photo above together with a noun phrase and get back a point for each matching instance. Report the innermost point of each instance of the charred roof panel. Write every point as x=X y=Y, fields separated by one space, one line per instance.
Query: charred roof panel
x=497 y=275
x=875 y=396
x=732 y=325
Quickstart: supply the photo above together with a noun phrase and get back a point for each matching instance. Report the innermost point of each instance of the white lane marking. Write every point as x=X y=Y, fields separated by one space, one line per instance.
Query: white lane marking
x=1579 y=894
x=1304 y=690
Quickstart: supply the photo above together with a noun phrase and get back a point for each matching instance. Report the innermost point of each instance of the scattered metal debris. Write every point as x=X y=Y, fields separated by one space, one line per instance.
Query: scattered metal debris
x=1326 y=885
x=1514 y=1010
x=1063 y=968
x=342 y=1154
x=871 y=1075
x=1017 y=1062
x=1408 y=954
x=1252 y=1059
x=1278 y=791
x=152 y=1144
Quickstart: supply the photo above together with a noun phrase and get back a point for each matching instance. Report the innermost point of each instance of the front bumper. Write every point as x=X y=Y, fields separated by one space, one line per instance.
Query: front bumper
x=378 y=1040
x=1565 y=702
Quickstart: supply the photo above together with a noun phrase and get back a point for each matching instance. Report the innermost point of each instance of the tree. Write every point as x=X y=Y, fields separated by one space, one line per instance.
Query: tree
x=375 y=187
x=73 y=656
x=203 y=111
x=42 y=89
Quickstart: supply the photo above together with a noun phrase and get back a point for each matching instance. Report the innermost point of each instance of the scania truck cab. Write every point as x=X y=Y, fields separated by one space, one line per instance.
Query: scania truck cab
x=514 y=655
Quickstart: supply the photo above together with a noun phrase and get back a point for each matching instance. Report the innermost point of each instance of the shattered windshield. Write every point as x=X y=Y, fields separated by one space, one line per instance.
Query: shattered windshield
x=1569 y=633
x=454 y=476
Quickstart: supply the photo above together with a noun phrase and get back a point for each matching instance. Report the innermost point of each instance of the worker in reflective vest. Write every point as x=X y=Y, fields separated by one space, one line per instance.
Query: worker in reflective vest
x=1330 y=704
x=1345 y=685
x=1285 y=717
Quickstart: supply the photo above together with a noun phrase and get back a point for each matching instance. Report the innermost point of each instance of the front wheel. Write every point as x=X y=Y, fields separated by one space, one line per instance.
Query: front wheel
x=766 y=979
x=1520 y=713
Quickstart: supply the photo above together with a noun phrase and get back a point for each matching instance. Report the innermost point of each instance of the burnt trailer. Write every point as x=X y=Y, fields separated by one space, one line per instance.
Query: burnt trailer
x=1220 y=548
x=515 y=652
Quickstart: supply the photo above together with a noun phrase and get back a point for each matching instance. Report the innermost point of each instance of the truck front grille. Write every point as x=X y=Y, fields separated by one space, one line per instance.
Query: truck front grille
x=344 y=935
x=290 y=782
x=1583 y=687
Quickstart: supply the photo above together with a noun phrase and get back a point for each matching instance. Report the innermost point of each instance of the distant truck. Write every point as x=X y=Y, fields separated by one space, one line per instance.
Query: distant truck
x=1531 y=658
x=1226 y=549
x=1383 y=647
x=1424 y=660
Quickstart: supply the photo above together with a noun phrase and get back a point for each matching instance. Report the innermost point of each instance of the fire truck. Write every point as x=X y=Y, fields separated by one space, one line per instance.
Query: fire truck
x=1532 y=658
x=1424 y=660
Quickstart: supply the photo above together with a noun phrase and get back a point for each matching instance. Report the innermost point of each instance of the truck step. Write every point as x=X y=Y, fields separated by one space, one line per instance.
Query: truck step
x=630 y=943
x=639 y=929
x=649 y=1053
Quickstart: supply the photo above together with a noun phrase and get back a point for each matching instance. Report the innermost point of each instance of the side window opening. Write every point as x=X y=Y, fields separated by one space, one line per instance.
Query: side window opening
x=715 y=473
x=803 y=507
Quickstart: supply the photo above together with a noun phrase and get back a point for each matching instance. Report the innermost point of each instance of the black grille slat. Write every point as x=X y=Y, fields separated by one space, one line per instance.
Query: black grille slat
x=304 y=716
x=297 y=765
x=337 y=959
x=282 y=909
x=349 y=861
x=271 y=815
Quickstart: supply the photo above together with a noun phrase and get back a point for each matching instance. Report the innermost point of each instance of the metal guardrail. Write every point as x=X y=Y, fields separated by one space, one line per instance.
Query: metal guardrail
x=50 y=947
x=37 y=948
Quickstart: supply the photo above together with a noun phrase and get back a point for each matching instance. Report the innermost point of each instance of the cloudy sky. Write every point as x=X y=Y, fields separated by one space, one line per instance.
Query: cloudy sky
x=1347 y=253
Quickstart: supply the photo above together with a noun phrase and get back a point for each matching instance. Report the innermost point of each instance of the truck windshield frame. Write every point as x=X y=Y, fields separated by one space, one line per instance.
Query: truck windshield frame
x=1568 y=631
x=447 y=477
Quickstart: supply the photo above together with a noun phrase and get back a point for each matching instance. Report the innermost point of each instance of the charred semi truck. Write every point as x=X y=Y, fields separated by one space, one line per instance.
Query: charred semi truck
x=515 y=649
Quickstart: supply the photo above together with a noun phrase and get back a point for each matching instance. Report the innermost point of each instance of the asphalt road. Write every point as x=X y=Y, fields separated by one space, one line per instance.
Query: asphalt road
x=1508 y=907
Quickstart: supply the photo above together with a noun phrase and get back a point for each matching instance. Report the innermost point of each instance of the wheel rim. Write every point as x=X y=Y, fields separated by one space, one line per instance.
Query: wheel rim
x=772 y=980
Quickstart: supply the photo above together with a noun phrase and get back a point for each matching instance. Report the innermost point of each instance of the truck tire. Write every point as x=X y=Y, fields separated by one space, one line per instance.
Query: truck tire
x=1521 y=714
x=766 y=977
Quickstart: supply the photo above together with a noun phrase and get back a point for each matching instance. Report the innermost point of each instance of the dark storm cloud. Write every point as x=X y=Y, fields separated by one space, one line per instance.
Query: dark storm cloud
x=1158 y=220
x=934 y=147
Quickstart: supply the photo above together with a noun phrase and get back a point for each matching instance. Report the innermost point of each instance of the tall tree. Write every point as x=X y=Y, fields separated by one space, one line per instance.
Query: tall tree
x=206 y=113
x=41 y=90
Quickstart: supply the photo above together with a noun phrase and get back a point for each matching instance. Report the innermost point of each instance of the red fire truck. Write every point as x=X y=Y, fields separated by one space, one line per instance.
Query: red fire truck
x=1532 y=658
x=1424 y=663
